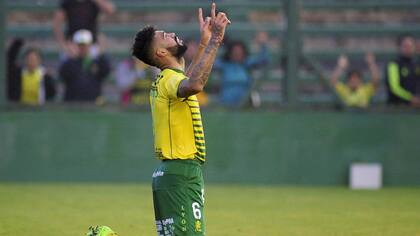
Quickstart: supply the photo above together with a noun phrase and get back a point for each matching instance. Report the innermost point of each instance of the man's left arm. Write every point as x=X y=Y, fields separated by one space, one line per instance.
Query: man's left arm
x=373 y=68
x=204 y=40
x=201 y=70
x=263 y=56
x=106 y=6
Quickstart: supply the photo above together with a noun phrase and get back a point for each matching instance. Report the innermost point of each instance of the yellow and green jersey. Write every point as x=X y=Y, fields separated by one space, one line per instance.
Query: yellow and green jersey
x=359 y=98
x=177 y=127
x=32 y=87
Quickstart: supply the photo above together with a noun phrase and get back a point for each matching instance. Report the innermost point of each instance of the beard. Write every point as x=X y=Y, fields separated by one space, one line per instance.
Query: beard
x=179 y=50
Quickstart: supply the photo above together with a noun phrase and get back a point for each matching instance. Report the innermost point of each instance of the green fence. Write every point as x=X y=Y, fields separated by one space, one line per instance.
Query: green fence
x=291 y=29
x=265 y=148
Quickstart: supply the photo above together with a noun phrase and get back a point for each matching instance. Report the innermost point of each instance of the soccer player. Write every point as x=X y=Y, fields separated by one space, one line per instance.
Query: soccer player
x=178 y=188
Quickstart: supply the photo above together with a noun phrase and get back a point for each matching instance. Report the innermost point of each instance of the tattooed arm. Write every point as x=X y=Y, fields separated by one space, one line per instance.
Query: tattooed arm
x=199 y=71
x=205 y=33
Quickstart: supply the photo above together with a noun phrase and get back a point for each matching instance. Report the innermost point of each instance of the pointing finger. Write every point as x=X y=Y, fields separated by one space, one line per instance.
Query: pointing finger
x=200 y=16
x=213 y=10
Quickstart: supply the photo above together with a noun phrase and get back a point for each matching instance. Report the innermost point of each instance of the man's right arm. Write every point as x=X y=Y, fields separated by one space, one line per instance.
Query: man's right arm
x=59 y=18
x=342 y=64
x=373 y=69
x=394 y=82
x=200 y=72
x=106 y=6
x=396 y=88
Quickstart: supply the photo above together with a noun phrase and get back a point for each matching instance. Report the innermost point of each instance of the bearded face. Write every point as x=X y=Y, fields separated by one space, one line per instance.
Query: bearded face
x=179 y=50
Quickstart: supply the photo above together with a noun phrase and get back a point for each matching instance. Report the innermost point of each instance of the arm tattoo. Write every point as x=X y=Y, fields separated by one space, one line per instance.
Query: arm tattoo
x=197 y=56
x=199 y=72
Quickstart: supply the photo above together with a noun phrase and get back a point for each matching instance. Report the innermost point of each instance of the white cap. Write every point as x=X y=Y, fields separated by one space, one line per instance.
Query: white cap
x=82 y=37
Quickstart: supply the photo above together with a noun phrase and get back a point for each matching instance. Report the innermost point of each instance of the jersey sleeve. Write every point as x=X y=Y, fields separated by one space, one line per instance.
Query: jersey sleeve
x=369 y=89
x=394 y=82
x=171 y=85
x=341 y=90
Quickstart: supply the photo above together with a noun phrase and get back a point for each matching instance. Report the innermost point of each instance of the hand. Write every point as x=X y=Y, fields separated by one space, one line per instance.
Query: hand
x=343 y=62
x=370 y=58
x=218 y=24
x=415 y=101
x=205 y=30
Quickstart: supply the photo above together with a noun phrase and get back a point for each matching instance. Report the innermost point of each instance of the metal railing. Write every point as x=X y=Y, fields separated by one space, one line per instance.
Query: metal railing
x=292 y=33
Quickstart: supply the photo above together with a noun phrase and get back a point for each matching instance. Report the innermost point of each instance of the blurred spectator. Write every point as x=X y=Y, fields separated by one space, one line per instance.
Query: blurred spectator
x=402 y=78
x=84 y=74
x=418 y=48
x=193 y=45
x=134 y=80
x=236 y=81
x=355 y=93
x=30 y=83
x=77 y=15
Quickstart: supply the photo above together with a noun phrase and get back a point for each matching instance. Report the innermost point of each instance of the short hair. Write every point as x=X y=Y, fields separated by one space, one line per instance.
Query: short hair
x=353 y=71
x=32 y=50
x=229 y=48
x=142 y=45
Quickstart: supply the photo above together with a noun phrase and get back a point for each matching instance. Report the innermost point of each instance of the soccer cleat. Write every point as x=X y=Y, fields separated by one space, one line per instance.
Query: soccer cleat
x=100 y=231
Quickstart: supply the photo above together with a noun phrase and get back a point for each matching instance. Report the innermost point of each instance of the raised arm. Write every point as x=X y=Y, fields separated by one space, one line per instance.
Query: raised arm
x=342 y=64
x=373 y=69
x=106 y=6
x=263 y=55
x=13 y=53
x=58 y=21
x=205 y=33
x=200 y=71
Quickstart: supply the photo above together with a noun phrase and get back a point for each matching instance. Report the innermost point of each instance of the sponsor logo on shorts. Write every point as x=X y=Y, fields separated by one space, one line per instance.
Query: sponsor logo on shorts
x=165 y=227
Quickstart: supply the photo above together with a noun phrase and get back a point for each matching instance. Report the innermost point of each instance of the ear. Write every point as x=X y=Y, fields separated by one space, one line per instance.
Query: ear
x=161 y=52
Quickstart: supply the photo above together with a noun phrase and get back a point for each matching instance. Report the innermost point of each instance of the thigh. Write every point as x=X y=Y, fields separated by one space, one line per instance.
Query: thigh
x=179 y=208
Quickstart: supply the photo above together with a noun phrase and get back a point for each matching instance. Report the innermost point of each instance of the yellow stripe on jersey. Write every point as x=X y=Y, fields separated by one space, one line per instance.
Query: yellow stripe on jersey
x=177 y=127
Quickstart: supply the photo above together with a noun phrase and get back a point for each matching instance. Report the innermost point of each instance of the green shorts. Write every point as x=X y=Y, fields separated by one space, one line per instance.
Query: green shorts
x=178 y=198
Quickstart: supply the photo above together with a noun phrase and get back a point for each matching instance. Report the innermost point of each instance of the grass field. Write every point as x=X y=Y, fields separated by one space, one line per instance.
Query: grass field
x=68 y=209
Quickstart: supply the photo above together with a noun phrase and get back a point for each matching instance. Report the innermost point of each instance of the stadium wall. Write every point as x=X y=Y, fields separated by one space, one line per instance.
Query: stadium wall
x=309 y=148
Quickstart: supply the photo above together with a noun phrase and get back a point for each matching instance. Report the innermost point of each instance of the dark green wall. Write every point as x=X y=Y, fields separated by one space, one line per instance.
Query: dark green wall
x=243 y=147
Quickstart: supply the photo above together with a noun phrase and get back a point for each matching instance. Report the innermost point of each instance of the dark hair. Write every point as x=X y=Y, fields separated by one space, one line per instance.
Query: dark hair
x=229 y=47
x=32 y=50
x=353 y=72
x=142 y=45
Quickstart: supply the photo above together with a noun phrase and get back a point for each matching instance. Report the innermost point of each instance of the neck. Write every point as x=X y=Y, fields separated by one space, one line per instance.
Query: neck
x=31 y=69
x=174 y=64
x=405 y=57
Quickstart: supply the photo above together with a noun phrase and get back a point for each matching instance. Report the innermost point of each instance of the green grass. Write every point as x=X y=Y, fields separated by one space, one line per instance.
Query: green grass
x=68 y=209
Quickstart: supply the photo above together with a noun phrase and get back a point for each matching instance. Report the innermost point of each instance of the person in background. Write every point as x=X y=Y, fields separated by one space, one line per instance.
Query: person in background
x=418 y=48
x=134 y=79
x=402 y=78
x=355 y=93
x=236 y=81
x=28 y=83
x=417 y=63
x=77 y=15
x=84 y=74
